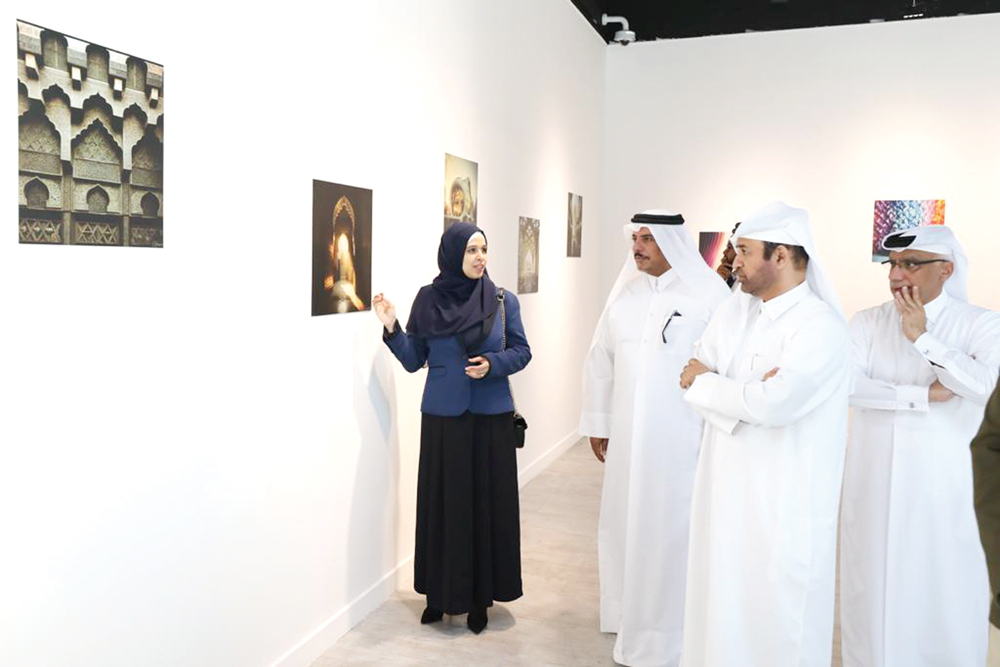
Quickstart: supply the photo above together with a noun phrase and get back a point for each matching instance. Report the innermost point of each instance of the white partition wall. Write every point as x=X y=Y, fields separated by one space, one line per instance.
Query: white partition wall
x=196 y=471
x=828 y=119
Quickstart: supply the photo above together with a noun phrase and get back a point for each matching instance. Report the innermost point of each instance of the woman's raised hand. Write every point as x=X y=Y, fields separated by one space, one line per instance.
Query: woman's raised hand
x=385 y=311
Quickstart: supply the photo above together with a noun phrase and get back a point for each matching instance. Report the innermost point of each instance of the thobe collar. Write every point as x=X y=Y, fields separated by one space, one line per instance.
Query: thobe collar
x=779 y=305
x=934 y=308
x=660 y=282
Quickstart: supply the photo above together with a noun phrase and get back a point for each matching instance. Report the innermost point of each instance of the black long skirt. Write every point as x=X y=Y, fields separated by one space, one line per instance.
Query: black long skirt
x=468 y=547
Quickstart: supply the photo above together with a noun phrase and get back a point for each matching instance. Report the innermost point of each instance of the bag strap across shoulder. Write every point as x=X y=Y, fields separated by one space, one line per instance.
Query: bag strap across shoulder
x=503 y=340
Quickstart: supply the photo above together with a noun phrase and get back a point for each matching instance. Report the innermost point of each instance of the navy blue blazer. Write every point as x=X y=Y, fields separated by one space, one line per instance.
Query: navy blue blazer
x=448 y=391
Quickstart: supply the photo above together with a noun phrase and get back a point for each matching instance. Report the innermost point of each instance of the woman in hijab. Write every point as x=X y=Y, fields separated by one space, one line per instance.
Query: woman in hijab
x=468 y=550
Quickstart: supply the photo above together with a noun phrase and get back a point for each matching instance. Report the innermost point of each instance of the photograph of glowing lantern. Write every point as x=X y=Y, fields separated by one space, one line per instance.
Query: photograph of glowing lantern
x=342 y=248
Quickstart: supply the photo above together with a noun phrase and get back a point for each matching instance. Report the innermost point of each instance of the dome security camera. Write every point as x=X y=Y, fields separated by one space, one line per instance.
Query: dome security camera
x=623 y=36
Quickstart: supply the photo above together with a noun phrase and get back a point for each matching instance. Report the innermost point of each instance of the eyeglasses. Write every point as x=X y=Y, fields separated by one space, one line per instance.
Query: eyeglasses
x=910 y=265
x=663 y=333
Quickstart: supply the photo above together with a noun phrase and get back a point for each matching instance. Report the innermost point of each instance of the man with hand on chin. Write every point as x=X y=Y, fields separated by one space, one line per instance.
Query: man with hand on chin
x=914 y=585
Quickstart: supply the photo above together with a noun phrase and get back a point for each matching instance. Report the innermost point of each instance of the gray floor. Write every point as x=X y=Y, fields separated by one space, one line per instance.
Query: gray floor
x=555 y=623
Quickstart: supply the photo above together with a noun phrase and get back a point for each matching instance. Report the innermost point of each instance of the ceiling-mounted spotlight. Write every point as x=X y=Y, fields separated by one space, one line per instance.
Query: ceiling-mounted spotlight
x=623 y=36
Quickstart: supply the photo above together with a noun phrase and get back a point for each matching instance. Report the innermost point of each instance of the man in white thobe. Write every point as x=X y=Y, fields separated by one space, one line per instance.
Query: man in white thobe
x=771 y=378
x=646 y=435
x=914 y=585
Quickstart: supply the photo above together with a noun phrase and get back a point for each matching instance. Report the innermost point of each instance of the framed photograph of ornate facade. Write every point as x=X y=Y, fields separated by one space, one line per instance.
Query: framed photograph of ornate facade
x=90 y=143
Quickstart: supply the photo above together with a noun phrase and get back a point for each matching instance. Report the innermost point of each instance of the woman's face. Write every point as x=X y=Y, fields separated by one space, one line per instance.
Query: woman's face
x=474 y=262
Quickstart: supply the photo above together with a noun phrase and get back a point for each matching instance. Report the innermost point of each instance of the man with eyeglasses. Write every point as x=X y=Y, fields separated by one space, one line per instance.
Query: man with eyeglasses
x=646 y=436
x=913 y=582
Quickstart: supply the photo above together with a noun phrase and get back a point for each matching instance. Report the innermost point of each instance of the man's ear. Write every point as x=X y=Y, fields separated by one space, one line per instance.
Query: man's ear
x=782 y=256
x=947 y=268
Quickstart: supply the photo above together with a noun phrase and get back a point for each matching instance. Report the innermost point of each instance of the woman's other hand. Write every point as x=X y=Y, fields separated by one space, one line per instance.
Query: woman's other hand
x=478 y=368
x=385 y=311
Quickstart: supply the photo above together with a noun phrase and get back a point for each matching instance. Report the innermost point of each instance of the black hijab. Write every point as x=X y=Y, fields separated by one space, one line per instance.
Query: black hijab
x=453 y=302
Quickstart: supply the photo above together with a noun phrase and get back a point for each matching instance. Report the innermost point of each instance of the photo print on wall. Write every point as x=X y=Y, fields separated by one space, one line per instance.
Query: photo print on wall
x=90 y=143
x=527 y=256
x=894 y=215
x=342 y=249
x=461 y=190
x=574 y=225
x=711 y=245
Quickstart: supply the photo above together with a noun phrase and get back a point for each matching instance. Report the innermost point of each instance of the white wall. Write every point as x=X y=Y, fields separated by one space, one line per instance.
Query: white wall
x=195 y=471
x=827 y=119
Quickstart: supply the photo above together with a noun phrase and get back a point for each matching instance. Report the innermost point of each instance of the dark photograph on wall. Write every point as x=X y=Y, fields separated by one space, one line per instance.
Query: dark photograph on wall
x=342 y=249
x=461 y=190
x=90 y=143
x=574 y=225
x=711 y=245
x=527 y=256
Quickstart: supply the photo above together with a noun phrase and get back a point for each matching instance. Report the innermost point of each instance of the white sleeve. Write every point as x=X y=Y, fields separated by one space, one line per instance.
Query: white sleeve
x=811 y=368
x=878 y=394
x=598 y=384
x=973 y=375
x=707 y=352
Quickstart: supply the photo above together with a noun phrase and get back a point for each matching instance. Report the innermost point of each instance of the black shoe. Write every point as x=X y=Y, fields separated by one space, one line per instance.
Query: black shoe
x=431 y=615
x=477 y=620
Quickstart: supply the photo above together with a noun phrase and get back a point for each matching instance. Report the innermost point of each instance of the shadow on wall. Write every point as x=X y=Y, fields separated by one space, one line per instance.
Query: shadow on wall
x=372 y=544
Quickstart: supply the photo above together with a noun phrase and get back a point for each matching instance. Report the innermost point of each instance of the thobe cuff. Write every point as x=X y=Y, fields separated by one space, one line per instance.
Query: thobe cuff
x=931 y=348
x=912 y=397
x=595 y=425
x=710 y=390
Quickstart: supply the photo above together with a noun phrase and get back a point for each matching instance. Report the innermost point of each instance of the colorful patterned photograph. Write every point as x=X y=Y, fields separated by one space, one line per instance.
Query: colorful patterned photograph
x=711 y=245
x=342 y=249
x=527 y=256
x=90 y=143
x=461 y=190
x=574 y=226
x=893 y=215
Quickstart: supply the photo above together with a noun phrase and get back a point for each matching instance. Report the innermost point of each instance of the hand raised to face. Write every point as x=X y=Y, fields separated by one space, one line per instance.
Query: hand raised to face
x=912 y=316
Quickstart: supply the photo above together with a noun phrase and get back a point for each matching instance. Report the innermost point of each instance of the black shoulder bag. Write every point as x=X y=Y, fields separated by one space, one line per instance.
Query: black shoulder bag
x=520 y=423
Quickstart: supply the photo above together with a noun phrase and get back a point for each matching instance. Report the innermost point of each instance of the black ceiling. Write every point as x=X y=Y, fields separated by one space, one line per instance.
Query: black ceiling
x=671 y=19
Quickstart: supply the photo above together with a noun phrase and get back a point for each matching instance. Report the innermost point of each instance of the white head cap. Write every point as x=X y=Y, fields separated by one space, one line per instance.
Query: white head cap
x=778 y=222
x=939 y=240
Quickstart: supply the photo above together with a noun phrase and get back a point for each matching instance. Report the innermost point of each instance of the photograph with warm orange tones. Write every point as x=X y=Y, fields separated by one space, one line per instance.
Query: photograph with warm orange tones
x=461 y=190
x=342 y=249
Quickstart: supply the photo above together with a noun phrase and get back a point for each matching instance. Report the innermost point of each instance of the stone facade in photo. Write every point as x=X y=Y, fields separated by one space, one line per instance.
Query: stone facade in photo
x=90 y=143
